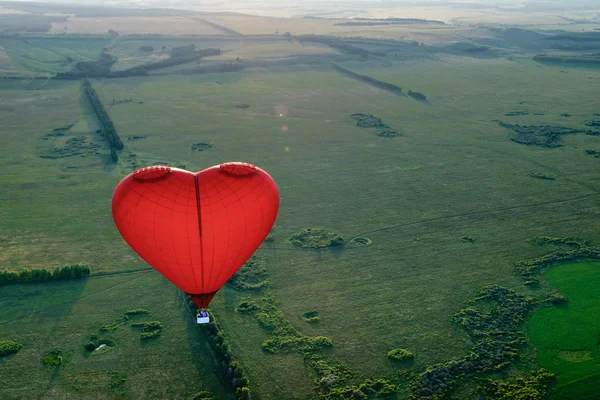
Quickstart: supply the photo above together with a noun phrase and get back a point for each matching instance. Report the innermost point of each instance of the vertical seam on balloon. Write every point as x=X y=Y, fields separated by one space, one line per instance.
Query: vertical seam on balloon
x=199 y=212
x=209 y=280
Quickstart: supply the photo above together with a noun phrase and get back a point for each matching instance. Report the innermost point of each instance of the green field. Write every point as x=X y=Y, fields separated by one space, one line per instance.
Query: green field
x=448 y=205
x=566 y=338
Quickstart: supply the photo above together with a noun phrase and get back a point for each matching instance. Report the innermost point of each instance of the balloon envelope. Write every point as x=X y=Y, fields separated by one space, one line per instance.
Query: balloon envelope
x=197 y=229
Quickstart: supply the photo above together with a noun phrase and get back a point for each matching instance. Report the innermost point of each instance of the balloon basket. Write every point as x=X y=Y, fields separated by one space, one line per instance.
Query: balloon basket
x=202 y=317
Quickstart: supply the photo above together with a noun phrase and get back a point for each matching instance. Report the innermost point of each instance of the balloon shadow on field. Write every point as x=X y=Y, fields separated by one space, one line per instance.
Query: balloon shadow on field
x=198 y=341
x=48 y=302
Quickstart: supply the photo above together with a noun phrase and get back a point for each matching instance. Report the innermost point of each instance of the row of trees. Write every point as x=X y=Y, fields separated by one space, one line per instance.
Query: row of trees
x=45 y=275
x=231 y=369
x=366 y=78
x=108 y=127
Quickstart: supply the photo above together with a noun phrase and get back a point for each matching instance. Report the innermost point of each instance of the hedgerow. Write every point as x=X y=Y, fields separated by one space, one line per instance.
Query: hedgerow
x=45 y=275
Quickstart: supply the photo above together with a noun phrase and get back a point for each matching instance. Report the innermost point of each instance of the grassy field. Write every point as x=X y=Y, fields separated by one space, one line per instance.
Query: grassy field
x=62 y=315
x=43 y=57
x=129 y=25
x=453 y=173
x=566 y=338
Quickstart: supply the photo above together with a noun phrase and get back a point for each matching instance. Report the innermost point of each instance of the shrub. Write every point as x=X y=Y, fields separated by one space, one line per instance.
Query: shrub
x=251 y=275
x=361 y=241
x=204 y=395
x=201 y=146
x=311 y=316
x=150 y=330
x=558 y=299
x=95 y=341
x=115 y=324
x=53 y=358
x=117 y=380
x=137 y=311
x=400 y=355
x=417 y=95
x=316 y=238
x=388 y=134
x=368 y=121
x=8 y=347
x=246 y=307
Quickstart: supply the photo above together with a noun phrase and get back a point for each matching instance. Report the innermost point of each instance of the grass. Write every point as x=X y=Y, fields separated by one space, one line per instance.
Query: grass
x=61 y=315
x=43 y=57
x=566 y=337
x=453 y=172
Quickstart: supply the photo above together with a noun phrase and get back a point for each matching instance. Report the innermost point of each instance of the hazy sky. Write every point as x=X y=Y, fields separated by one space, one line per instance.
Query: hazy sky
x=429 y=9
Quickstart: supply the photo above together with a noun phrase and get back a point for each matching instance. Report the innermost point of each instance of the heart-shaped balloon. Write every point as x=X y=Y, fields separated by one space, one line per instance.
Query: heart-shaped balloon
x=197 y=229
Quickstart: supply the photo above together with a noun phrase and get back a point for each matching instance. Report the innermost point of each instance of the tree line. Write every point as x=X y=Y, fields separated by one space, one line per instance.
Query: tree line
x=230 y=368
x=371 y=81
x=108 y=127
x=44 y=275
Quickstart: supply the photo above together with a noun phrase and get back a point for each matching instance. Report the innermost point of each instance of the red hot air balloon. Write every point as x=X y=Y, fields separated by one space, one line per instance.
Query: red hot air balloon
x=197 y=229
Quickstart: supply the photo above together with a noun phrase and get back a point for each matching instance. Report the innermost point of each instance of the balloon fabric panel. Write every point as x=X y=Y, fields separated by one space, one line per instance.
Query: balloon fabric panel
x=196 y=229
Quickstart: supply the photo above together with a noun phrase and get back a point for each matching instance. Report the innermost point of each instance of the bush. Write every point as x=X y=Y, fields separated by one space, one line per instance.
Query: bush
x=251 y=275
x=400 y=355
x=150 y=330
x=361 y=241
x=115 y=324
x=201 y=146
x=368 y=121
x=417 y=95
x=95 y=341
x=53 y=358
x=316 y=238
x=558 y=299
x=246 y=307
x=117 y=381
x=311 y=316
x=388 y=134
x=137 y=311
x=204 y=395
x=8 y=347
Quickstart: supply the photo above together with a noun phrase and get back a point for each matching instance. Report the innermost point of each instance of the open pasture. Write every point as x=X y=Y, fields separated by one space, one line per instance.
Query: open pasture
x=166 y=25
x=464 y=178
x=62 y=316
x=448 y=205
x=46 y=56
x=567 y=337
